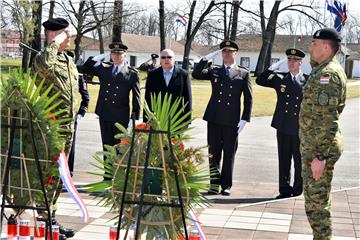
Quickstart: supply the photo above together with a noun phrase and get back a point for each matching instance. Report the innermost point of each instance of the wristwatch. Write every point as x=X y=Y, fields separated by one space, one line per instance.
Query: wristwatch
x=320 y=157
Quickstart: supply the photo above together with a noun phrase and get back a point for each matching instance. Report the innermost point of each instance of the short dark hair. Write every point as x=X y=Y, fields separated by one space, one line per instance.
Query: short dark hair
x=335 y=46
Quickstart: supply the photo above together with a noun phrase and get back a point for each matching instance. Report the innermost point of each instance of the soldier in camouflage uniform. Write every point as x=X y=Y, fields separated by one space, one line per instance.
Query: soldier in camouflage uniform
x=56 y=67
x=320 y=137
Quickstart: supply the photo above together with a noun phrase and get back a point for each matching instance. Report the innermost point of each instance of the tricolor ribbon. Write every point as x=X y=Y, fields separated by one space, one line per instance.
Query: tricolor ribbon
x=196 y=222
x=69 y=185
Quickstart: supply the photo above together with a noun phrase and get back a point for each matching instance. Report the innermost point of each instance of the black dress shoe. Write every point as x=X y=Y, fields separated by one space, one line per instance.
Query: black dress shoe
x=283 y=195
x=296 y=194
x=62 y=237
x=225 y=192
x=68 y=232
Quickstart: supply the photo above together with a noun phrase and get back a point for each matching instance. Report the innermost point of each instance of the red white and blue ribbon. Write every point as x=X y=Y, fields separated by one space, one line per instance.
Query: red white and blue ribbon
x=69 y=185
x=196 y=222
x=181 y=20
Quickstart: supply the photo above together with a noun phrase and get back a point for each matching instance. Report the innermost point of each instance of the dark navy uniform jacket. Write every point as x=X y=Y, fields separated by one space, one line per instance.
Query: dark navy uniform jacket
x=179 y=86
x=113 y=102
x=224 y=106
x=289 y=96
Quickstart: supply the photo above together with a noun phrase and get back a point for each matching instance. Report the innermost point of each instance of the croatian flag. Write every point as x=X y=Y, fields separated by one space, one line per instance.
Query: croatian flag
x=69 y=185
x=196 y=222
x=339 y=9
x=181 y=20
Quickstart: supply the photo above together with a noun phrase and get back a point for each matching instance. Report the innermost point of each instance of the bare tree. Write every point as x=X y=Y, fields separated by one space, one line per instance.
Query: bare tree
x=51 y=9
x=268 y=28
x=98 y=26
x=162 y=24
x=234 y=19
x=117 y=19
x=21 y=17
x=36 y=15
x=81 y=18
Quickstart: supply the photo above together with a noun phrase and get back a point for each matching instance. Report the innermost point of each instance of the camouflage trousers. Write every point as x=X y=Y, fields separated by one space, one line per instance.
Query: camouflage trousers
x=317 y=196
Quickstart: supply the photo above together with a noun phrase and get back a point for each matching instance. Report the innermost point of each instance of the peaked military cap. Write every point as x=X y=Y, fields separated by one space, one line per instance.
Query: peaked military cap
x=154 y=55
x=117 y=47
x=229 y=44
x=327 y=34
x=294 y=53
x=55 y=24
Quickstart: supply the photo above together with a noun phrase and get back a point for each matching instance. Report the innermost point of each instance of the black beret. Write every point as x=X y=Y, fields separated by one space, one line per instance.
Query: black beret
x=55 y=24
x=294 y=53
x=154 y=55
x=117 y=47
x=229 y=44
x=327 y=34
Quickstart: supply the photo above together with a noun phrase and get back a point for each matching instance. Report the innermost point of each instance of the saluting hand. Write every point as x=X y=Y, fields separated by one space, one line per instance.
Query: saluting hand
x=99 y=58
x=276 y=66
x=61 y=37
x=211 y=55
x=317 y=168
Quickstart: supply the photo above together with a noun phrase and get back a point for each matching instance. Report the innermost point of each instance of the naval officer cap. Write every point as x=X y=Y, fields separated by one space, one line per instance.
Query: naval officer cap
x=294 y=53
x=117 y=47
x=154 y=55
x=229 y=45
x=55 y=24
x=327 y=34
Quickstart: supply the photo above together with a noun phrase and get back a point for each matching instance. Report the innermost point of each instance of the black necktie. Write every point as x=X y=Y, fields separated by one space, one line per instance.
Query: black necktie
x=115 y=70
x=228 y=71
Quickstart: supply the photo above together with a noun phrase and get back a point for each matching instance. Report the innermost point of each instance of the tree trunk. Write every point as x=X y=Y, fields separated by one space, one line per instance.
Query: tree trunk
x=25 y=59
x=51 y=15
x=226 y=36
x=234 y=20
x=36 y=42
x=190 y=34
x=268 y=36
x=98 y=28
x=79 y=29
x=162 y=25
x=51 y=10
x=117 y=20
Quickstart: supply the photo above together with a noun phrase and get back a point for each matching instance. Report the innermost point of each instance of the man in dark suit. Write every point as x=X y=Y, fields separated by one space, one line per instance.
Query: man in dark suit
x=228 y=83
x=150 y=64
x=169 y=79
x=117 y=79
x=286 y=118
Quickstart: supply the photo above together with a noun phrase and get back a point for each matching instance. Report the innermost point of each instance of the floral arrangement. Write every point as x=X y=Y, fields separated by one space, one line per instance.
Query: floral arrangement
x=21 y=93
x=157 y=220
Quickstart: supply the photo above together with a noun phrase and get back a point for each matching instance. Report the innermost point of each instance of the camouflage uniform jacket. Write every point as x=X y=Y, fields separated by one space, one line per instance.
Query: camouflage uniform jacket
x=323 y=101
x=59 y=69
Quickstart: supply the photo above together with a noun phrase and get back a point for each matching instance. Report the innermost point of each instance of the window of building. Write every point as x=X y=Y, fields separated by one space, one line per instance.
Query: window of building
x=245 y=62
x=133 y=61
x=274 y=60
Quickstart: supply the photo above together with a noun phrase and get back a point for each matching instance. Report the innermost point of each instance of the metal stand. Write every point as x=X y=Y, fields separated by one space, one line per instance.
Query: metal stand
x=12 y=127
x=141 y=202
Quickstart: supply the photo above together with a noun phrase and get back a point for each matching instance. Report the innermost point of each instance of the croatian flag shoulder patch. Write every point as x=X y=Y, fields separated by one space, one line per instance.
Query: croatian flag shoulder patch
x=324 y=79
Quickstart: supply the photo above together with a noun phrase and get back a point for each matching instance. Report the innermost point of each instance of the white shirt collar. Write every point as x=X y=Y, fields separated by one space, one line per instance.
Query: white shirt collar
x=231 y=66
x=296 y=76
x=170 y=72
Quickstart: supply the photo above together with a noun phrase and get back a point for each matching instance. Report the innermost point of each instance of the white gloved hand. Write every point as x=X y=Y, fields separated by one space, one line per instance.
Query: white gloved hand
x=78 y=117
x=211 y=55
x=61 y=37
x=276 y=66
x=241 y=125
x=100 y=57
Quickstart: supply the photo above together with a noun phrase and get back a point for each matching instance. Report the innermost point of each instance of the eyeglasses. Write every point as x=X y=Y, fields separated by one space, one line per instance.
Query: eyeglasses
x=166 y=57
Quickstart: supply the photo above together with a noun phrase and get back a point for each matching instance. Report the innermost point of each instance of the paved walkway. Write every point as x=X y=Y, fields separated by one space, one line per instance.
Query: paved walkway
x=251 y=211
